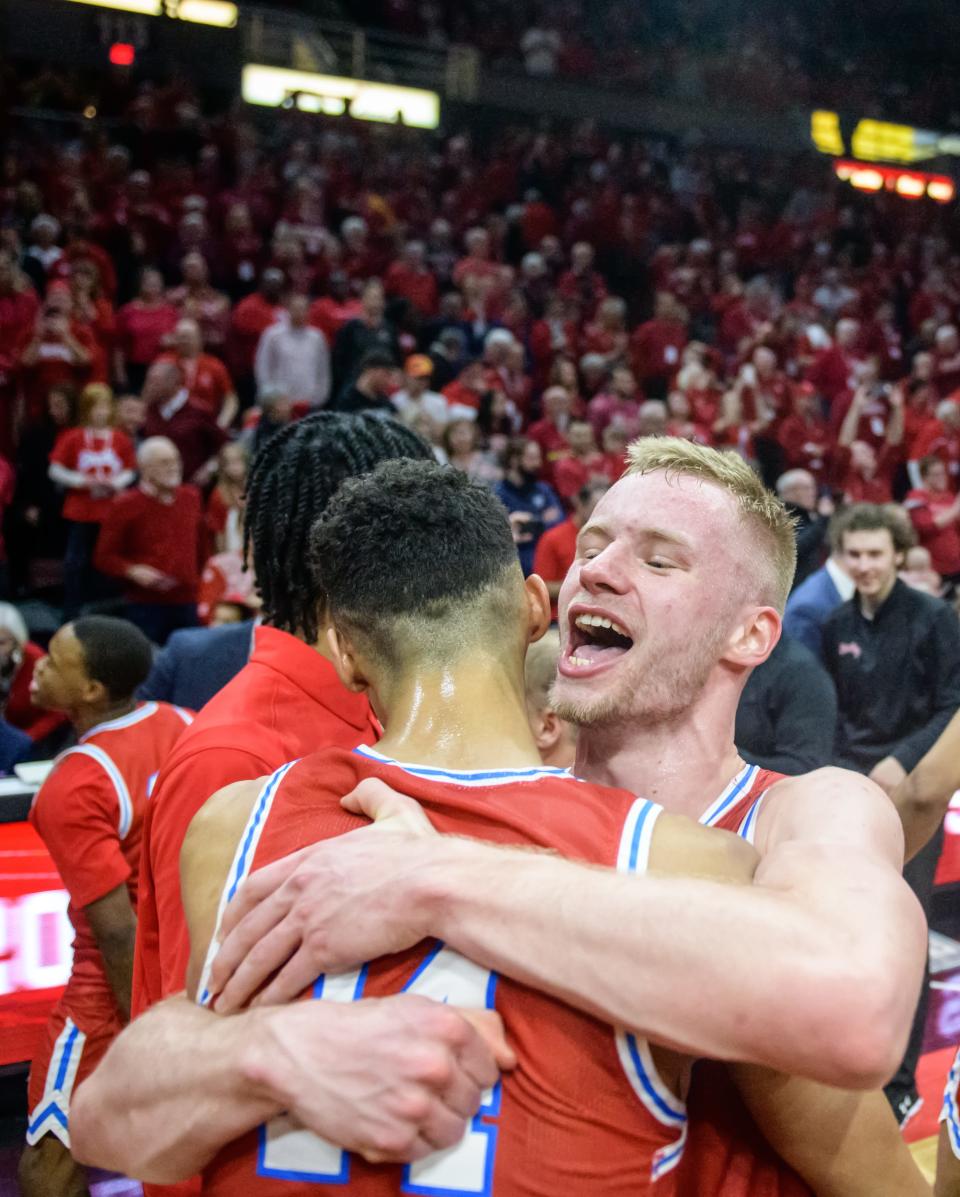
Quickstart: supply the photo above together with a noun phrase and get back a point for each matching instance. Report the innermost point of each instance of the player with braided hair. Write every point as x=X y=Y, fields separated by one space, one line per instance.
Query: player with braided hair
x=290 y=483
x=285 y=703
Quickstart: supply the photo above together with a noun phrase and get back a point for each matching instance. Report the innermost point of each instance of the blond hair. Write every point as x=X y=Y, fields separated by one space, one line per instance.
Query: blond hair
x=771 y=526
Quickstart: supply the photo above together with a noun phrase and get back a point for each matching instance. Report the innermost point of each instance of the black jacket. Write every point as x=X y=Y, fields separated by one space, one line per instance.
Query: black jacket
x=897 y=677
x=788 y=712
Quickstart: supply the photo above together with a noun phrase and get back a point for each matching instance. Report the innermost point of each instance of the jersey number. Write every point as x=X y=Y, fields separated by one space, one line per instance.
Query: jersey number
x=289 y=1152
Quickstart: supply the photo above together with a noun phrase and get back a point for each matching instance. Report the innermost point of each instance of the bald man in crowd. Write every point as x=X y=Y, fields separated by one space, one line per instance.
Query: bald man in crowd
x=151 y=540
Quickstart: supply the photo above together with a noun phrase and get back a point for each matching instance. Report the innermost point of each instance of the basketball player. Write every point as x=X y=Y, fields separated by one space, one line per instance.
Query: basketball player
x=89 y=813
x=286 y=702
x=690 y=547
x=435 y=627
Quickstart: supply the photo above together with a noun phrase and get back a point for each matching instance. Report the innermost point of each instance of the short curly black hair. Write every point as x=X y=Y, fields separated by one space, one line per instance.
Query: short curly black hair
x=416 y=556
x=116 y=654
x=292 y=479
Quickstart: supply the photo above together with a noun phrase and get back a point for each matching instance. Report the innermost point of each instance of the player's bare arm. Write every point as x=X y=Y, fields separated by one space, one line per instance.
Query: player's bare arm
x=948 y=1167
x=824 y=951
x=224 y=1076
x=842 y=1143
x=114 y=926
x=923 y=796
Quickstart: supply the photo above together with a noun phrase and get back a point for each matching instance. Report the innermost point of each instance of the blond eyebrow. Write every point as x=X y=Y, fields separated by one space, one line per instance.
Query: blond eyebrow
x=674 y=538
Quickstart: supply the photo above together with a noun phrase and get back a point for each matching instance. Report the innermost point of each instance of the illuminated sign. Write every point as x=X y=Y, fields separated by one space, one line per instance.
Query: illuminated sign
x=879 y=141
x=199 y=12
x=911 y=184
x=122 y=54
x=333 y=95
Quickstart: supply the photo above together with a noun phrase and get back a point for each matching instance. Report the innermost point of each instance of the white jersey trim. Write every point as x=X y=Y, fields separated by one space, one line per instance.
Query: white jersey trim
x=242 y=860
x=96 y=753
x=128 y=720
x=51 y=1115
x=466 y=777
x=739 y=786
x=634 y=1052
x=949 y=1112
x=748 y=828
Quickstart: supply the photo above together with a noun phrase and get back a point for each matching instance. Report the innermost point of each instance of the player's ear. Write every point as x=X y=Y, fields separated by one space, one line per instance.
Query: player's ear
x=538 y=607
x=754 y=638
x=344 y=660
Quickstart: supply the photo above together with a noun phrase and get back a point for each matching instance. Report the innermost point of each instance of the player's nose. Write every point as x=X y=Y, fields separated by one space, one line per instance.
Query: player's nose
x=605 y=573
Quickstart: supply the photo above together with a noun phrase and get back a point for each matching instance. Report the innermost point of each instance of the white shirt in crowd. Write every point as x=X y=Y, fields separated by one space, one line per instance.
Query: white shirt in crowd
x=541 y=49
x=295 y=361
x=431 y=402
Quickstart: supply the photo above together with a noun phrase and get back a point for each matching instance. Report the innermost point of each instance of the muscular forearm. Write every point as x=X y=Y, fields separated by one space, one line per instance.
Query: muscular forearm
x=768 y=974
x=174 y=1087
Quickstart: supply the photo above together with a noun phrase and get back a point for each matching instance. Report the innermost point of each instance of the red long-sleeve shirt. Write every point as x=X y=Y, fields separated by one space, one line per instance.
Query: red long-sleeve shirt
x=142 y=530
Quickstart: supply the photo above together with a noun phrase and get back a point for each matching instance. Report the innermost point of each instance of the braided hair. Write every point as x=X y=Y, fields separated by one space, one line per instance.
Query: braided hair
x=292 y=478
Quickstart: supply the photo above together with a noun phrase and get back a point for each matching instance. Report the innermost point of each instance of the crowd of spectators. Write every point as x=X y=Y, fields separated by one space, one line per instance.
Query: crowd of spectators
x=176 y=291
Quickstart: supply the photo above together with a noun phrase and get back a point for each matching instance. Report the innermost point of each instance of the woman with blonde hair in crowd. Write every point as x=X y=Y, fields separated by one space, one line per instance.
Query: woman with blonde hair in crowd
x=92 y=462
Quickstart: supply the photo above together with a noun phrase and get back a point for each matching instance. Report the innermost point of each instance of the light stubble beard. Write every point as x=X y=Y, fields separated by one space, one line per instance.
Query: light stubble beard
x=658 y=689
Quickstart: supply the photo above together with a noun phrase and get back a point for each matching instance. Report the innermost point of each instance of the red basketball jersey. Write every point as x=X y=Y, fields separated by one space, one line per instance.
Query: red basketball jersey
x=89 y=813
x=585 y=1112
x=726 y=1152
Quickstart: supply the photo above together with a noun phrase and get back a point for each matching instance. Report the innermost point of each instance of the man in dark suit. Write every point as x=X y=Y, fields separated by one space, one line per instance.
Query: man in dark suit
x=813 y=601
x=197 y=663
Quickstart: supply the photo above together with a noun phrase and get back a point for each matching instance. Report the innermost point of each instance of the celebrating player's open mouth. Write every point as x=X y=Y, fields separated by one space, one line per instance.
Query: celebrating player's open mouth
x=596 y=639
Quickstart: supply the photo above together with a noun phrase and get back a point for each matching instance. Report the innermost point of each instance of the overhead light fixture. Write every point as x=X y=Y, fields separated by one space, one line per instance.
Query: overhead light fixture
x=334 y=95
x=221 y=13
x=144 y=8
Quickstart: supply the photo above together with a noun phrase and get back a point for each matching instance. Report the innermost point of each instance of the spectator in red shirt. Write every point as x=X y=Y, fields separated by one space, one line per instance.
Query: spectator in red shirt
x=18 y=315
x=938 y=436
x=557 y=547
x=331 y=312
x=59 y=353
x=582 y=464
x=205 y=376
x=18 y=659
x=863 y=473
x=93 y=462
x=550 y=432
x=607 y=335
x=152 y=541
x=197 y=299
x=657 y=346
x=91 y=308
x=619 y=402
x=935 y=513
x=747 y=319
x=251 y=317
x=837 y=369
x=803 y=435
x=409 y=277
x=171 y=413
x=477 y=265
x=131 y=417
x=144 y=326
x=581 y=282
x=680 y=422
x=946 y=363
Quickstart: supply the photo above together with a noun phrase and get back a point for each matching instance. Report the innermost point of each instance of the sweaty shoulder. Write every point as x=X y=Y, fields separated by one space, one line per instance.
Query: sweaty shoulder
x=682 y=846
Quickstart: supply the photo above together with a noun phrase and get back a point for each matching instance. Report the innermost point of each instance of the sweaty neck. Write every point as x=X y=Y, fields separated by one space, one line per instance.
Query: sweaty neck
x=470 y=714
x=683 y=763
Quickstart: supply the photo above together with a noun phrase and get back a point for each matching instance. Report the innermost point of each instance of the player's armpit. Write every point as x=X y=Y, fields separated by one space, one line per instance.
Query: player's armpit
x=114 y=926
x=205 y=859
x=843 y=1144
x=682 y=847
